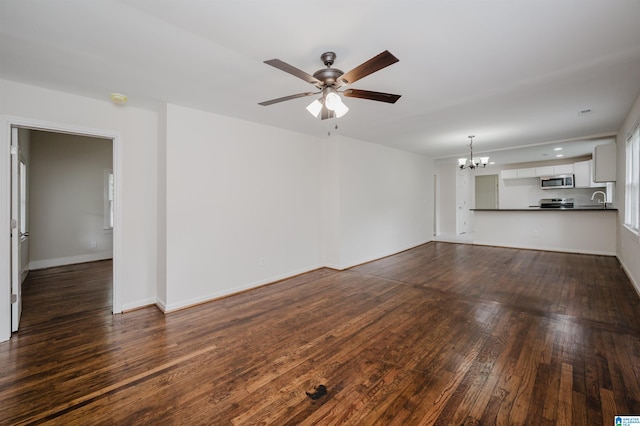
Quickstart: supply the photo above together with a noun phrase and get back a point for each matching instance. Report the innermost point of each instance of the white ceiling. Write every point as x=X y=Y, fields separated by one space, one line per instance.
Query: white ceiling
x=511 y=72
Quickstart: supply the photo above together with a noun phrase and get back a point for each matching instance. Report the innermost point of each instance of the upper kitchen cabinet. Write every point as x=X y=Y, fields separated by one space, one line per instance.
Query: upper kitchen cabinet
x=583 y=174
x=529 y=172
x=518 y=173
x=604 y=163
x=561 y=169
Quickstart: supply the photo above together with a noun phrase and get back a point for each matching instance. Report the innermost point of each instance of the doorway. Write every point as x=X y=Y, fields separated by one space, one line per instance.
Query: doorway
x=486 y=193
x=8 y=125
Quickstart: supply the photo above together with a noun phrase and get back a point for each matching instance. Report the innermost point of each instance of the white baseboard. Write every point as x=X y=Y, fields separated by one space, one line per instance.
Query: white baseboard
x=376 y=257
x=628 y=273
x=61 y=261
x=139 y=304
x=229 y=291
x=161 y=304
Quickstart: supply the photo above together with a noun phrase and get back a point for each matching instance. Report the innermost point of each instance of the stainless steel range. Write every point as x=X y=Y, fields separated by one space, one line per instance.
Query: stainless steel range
x=556 y=203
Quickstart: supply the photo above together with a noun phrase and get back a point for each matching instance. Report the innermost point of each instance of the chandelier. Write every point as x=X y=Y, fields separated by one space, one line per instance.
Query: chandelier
x=471 y=162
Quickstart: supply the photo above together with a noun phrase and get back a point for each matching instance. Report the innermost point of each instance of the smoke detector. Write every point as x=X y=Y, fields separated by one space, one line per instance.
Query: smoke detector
x=119 y=98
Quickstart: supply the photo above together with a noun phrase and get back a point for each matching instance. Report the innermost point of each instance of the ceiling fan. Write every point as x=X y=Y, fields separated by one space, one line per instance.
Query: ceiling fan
x=329 y=80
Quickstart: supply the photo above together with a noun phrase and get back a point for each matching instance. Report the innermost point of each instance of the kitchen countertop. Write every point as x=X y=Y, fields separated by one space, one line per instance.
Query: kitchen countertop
x=540 y=209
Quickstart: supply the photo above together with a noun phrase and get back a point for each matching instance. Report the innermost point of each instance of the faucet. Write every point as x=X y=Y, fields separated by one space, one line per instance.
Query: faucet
x=604 y=198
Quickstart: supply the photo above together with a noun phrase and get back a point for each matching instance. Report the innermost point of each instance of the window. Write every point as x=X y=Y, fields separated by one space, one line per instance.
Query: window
x=108 y=199
x=632 y=182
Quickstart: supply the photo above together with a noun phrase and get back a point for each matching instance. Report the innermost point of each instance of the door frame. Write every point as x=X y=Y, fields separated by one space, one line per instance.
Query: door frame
x=6 y=124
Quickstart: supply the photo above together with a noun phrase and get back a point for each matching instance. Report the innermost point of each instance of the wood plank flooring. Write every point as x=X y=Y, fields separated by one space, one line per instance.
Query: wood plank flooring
x=443 y=334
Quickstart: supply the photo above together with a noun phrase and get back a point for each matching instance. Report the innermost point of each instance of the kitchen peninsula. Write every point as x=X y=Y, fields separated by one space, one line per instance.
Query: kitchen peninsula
x=590 y=230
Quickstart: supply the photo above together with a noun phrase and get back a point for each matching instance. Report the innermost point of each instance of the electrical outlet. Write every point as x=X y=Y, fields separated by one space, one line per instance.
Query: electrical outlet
x=261 y=261
x=536 y=233
x=93 y=244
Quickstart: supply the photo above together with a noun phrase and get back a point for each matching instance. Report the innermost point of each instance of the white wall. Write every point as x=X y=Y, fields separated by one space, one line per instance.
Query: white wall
x=249 y=204
x=628 y=243
x=243 y=205
x=66 y=194
x=137 y=130
x=330 y=227
x=385 y=201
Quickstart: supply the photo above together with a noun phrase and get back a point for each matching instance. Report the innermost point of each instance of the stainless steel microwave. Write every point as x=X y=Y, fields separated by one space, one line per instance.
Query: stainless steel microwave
x=557 y=182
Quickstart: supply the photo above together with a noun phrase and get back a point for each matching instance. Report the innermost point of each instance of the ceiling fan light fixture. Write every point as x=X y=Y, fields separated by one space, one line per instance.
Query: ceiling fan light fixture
x=341 y=109
x=314 y=108
x=333 y=102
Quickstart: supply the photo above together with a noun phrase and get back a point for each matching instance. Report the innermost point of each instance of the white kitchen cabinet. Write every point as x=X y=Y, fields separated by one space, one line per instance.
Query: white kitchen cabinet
x=509 y=174
x=563 y=169
x=526 y=173
x=604 y=163
x=544 y=171
x=583 y=174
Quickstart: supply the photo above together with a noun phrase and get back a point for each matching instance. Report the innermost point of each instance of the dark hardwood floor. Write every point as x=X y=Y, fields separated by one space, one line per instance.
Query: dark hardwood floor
x=444 y=334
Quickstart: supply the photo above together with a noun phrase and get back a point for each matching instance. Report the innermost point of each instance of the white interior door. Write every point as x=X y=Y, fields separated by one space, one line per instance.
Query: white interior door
x=16 y=284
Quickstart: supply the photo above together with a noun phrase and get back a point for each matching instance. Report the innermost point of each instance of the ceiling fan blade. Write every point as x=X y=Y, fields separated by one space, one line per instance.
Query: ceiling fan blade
x=286 y=98
x=373 y=96
x=374 y=64
x=283 y=66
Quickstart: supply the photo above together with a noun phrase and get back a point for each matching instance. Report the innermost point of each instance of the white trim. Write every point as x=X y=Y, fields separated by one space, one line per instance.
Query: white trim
x=139 y=304
x=6 y=122
x=69 y=260
x=371 y=259
x=162 y=305
x=629 y=275
x=230 y=291
x=631 y=230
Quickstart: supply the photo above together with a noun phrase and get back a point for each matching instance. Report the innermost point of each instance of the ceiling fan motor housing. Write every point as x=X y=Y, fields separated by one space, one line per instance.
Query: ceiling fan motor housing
x=328 y=76
x=328 y=58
